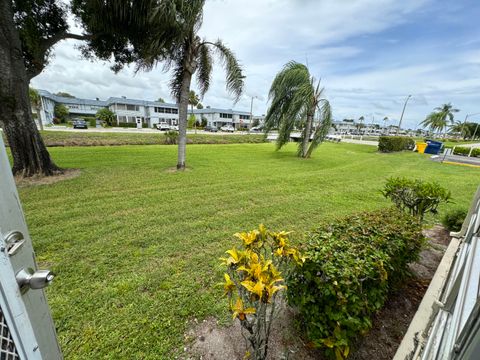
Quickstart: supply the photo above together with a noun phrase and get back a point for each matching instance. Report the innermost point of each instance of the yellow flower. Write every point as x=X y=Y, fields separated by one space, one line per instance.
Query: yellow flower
x=239 y=311
x=234 y=258
x=229 y=285
x=254 y=287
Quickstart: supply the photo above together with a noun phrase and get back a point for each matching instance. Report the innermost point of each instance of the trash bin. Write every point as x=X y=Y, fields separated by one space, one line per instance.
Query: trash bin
x=433 y=147
x=421 y=146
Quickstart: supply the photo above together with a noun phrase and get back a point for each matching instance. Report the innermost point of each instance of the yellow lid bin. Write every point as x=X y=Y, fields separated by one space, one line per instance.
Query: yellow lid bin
x=421 y=146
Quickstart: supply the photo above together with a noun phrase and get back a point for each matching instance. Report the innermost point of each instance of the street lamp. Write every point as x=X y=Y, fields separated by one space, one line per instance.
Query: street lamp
x=403 y=111
x=251 y=112
x=465 y=121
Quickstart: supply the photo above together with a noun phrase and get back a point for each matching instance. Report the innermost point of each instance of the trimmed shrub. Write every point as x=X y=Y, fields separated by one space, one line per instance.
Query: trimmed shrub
x=395 y=143
x=415 y=197
x=453 y=220
x=351 y=265
x=92 y=121
x=463 y=150
x=171 y=137
x=131 y=125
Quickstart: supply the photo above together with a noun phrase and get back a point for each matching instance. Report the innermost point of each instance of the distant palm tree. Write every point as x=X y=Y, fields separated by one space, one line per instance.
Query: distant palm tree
x=193 y=100
x=460 y=127
x=438 y=120
x=295 y=98
x=385 y=120
x=36 y=102
x=188 y=54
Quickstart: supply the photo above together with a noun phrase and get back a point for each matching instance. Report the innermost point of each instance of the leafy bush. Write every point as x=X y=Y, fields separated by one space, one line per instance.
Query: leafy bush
x=107 y=115
x=171 y=137
x=253 y=281
x=130 y=125
x=453 y=220
x=350 y=266
x=463 y=150
x=415 y=197
x=395 y=143
x=92 y=121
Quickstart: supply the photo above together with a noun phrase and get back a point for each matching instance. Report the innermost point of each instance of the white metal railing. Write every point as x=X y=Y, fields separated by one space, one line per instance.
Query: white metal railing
x=452 y=328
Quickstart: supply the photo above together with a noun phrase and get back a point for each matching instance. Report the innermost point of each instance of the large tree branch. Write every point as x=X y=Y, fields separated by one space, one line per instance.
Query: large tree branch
x=46 y=45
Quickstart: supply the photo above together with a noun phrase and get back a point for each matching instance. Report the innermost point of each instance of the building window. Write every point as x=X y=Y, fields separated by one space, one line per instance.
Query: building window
x=122 y=119
x=226 y=116
x=244 y=117
x=164 y=110
x=132 y=107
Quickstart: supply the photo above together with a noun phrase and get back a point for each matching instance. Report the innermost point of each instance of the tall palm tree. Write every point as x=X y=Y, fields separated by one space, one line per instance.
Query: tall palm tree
x=295 y=98
x=186 y=55
x=36 y=102
x=440 y=117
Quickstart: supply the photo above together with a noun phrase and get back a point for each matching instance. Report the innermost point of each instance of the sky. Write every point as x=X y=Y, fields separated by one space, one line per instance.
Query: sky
x=369 y=54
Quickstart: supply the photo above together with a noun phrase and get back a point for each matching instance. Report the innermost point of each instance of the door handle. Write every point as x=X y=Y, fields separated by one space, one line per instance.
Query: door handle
x=28 y=279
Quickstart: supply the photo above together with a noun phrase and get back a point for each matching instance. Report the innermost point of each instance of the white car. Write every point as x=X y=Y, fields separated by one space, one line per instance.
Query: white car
x=227 y=128
x=163 y=126
x=174 y=127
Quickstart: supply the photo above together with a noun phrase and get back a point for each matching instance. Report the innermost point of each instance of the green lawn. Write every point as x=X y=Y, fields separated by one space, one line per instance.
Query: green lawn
x=135 y=248
x=78 y=138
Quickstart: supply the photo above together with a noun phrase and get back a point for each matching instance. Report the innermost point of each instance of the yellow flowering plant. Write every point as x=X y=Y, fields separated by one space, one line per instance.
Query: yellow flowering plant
x=253 y=280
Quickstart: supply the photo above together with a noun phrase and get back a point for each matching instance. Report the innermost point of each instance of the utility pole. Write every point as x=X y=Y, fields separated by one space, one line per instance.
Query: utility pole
x=403 y=111
x=251 y=113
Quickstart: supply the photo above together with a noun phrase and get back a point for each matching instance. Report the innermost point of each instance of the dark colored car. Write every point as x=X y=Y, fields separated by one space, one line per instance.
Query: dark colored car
x=79 y=124
x=211 y=128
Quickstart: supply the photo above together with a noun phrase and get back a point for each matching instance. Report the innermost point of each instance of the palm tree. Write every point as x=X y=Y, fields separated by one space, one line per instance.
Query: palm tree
x=193 y=100
x=440 y=117
x=294 y=101
x=360 y=125
x=385 y=120
x=188 y=54
x=36 y=102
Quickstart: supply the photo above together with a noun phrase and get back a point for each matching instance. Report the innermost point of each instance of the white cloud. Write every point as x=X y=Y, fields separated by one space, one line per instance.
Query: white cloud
x=329 y=35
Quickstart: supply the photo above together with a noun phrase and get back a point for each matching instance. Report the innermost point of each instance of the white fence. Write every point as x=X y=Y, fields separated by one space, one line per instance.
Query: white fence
x=447 y=323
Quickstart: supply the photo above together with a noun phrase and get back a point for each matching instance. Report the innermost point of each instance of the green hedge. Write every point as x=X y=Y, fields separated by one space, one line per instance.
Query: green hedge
x=463 y=150
x=351 y=265
x=131 y=125
x=395 y=143
x=453 y=220
x=91 y=120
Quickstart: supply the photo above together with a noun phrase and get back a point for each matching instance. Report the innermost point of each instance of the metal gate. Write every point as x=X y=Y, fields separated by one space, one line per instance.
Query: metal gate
x=26 y=327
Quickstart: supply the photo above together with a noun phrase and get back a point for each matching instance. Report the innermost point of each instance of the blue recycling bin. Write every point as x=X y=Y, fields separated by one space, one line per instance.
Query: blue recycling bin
x=433 y=147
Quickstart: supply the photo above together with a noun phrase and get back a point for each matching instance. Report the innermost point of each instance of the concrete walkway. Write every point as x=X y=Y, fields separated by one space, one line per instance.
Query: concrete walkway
x=457 y=159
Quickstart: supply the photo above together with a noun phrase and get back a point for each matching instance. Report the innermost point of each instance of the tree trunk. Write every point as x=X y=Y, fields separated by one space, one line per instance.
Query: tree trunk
x=40 y=123
x=183 y=120
x=307 y=134
x=29 y=153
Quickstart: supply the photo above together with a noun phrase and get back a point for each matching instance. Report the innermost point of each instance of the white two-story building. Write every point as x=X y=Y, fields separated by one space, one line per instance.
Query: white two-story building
x=128 y=111
x=221 y=117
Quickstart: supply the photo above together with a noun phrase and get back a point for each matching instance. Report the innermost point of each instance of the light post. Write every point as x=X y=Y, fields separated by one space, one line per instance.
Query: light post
x=403 y=111
x=475 y=132
x=251 y=113
x=465 y=122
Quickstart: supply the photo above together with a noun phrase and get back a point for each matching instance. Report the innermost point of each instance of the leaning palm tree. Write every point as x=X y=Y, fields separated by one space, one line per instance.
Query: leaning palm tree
x=186 y=55
x=295 y=98
x=36 y=103
x=440 y=117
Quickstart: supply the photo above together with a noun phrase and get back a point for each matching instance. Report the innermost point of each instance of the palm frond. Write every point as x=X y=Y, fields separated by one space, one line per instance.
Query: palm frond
x=177 y=79
x=204 y=70
x=235 y=78
x=324 y=126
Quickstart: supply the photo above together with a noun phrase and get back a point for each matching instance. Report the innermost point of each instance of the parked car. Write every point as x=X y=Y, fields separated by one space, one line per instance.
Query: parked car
x=211 y=128
x=256 y=129
x=163 y=126
x=174 y=127
x=227 y=128
x=79 y=124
